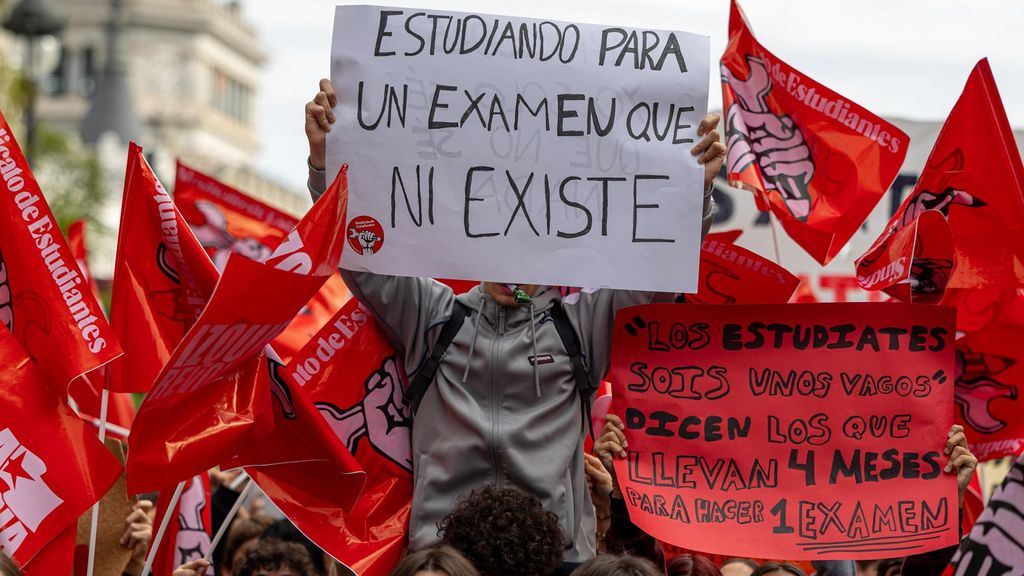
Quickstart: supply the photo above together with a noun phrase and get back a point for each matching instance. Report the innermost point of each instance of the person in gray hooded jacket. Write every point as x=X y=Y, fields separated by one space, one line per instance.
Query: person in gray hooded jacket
x=503 y=407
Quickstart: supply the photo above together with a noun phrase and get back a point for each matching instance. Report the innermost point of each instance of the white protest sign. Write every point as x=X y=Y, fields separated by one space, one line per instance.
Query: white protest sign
x=519 y=150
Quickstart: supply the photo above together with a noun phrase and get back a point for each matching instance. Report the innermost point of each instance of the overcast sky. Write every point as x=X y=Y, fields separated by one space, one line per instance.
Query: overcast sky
x=907 y=58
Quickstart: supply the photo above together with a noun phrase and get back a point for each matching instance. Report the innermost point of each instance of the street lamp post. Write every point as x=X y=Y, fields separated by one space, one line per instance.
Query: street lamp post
x=32 y=19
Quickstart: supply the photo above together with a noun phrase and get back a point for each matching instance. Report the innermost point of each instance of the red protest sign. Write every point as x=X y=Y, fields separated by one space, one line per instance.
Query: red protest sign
x=817 y=160
x=798 y=431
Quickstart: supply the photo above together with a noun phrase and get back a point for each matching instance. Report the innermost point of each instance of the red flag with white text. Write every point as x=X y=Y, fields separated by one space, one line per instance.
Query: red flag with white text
x=226 y=220
x=963 y=224
x=86 y=390
x=353 y=376
x=731 y=274
x=220 y=398
x=52 y=466
x=817 y=160
x=44 y=299
x=162 y=278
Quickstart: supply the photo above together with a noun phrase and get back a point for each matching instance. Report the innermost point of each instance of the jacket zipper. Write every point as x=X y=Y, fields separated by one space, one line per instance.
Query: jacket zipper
x=499 y=477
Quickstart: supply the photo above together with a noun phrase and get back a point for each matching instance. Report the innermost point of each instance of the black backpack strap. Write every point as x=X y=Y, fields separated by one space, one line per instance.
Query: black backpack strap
x=571 y=342
x=419 y=385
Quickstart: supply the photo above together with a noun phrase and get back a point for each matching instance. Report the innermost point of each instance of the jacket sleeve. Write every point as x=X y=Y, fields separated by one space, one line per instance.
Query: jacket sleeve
x=593 y=313
x=409 y=309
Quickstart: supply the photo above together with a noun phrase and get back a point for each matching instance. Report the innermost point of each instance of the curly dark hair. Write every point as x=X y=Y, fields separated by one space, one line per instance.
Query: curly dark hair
x=273 y=554
x=504 y=532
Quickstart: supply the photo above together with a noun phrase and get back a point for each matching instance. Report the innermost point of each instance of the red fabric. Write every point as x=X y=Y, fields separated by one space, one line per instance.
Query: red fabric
x=731 y=274
x=226 y=220
x=817 y=160
x=963 y=224
x=44 y=300
x=162 y=278
x=974 y=505
x=989 y=395
x=76 y=243
x=86 y=391
x=212 y=399
x=57 y=557
x=188 y=533
x=52 y=467
x=352 y=374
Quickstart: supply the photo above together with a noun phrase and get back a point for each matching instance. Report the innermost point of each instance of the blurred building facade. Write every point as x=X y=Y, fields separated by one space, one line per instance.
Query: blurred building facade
x=192 y=70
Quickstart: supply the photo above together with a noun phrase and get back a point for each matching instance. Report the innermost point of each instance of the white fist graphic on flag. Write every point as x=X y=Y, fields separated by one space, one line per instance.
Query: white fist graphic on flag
x=775 y=143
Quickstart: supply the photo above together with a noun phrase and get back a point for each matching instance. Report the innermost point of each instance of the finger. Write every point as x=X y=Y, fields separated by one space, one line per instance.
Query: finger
x=144 y=505
x=615 y=420
x=717 y=149
x=958 y=440
x=316 y=112
x=327 y=88
x=707 y=123
x=962 y=463
x=323 y=101
x=957 y=456
x=705 y=143
x=954 y=429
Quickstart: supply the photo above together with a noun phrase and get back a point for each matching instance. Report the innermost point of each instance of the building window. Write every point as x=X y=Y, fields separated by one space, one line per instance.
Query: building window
x=55 y=84
x=230 y=97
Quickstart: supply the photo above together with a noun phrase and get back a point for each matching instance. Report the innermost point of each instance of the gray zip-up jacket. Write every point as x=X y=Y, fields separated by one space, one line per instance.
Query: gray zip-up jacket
x=490 y=415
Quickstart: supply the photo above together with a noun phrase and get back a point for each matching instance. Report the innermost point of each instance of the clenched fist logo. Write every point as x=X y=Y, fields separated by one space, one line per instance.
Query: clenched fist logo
x=755 y=135
x=382 y=417
x=365 y=235
x=941 y=202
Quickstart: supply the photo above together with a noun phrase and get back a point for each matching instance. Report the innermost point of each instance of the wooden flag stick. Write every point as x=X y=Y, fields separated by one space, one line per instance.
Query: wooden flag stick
x=171 y=507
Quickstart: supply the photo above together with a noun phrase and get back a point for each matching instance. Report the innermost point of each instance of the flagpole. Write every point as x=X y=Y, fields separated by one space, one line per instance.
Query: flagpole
x=775 y=238
x=171 y=507
x=227 y=520
x=95 y=516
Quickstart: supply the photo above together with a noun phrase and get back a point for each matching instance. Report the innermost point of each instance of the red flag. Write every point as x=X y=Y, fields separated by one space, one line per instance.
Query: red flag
x=963 y=224
x=819 y=161
x=206 y=405
x=76 y=243
x=730 y=274
x=162 y=278
x=352 y=375
x=188 y=533
x=225 y=220
x=52 y=467
x=44 y=300
x=57 y=557
x=989 y=395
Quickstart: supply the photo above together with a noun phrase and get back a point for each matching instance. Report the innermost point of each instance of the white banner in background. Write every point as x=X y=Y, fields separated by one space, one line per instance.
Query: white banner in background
x=519 y=150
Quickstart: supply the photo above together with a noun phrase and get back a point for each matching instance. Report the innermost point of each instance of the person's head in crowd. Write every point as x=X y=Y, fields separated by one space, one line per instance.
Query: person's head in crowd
x=867 y=567
x=777 y=569
x=890 y=567
x=284 y=530
x=691 y=565
x=612 y=565
x=270 y=557
x=504 y=532
x=243 y=535
x=7 y=566
x=738 y=567
x=439 y=561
